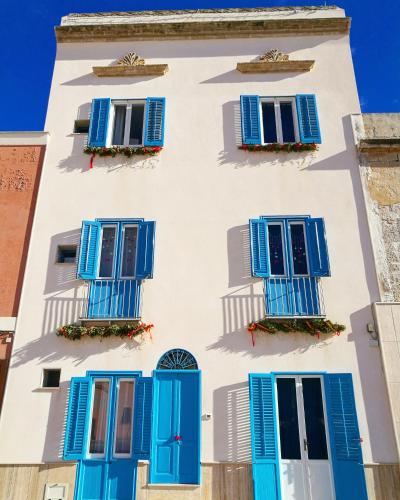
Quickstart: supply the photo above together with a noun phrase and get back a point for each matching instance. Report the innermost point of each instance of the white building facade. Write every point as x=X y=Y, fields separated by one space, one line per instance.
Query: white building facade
x=149 y=234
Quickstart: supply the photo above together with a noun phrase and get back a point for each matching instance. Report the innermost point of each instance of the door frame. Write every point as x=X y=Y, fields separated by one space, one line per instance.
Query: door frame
x=302 y=427
x=155 y=415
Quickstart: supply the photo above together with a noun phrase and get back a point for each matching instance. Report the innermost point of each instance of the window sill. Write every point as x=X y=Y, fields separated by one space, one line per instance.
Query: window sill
x=275 y=147
x=177 y=486
x=275 y=67
x=123 y=150
x=143 y=70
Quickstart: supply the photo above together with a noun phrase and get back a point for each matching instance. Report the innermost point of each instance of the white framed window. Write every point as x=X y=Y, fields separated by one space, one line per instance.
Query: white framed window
x=298 y=248
x=279 y=120
x=276 y=247
x=123 y=423
x=97 y=435
x=127 y=120
x=128 y=250
x=107 y=251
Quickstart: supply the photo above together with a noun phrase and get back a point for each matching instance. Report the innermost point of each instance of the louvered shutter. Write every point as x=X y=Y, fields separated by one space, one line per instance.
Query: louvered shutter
x=317 y=247
x=308 y=118
x=78 y=409
x=250 y=116
x=89 y=250
x=264 y=437
x=154 y=125
x=259 y=248
x=347 y=462
x=99 y=122
x=145 y=255
x=142 y=418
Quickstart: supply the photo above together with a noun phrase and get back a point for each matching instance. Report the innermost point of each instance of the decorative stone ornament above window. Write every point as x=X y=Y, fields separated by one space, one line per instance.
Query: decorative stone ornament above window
x=274 y=61
x=131 y=65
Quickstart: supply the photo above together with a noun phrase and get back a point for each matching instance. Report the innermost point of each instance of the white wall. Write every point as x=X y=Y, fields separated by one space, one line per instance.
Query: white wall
x=201 y=191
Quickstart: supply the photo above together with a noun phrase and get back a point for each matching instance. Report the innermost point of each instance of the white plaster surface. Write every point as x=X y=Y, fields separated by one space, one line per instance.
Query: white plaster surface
x=201 y=190
x=7 y=323
x=23 y=138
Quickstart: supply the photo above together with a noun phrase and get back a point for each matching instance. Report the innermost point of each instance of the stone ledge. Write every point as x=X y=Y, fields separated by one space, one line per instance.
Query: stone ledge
x=202 y=30
x=275 y=66
x=144 y=70
x=381 y=145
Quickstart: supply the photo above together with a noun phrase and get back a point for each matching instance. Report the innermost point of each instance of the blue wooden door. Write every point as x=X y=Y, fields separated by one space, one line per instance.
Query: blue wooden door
x=175 y=452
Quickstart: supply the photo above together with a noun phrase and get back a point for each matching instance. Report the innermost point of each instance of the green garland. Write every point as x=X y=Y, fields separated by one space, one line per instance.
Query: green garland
x=312 y=326
x=275 y=147
x=122 y=150
x=129 y=330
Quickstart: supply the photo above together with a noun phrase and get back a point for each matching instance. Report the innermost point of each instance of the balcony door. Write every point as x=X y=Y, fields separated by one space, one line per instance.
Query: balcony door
x=305 y=465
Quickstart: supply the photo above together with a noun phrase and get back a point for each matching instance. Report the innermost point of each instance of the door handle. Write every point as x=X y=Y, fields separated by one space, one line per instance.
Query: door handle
x=178 y=438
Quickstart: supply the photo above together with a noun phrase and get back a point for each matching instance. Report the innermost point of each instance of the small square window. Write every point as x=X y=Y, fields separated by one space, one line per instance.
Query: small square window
x=51 y=377
x=81 y=126
x=66 y=254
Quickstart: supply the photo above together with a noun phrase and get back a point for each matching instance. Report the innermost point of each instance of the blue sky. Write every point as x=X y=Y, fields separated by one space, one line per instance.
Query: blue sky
x=27 y=44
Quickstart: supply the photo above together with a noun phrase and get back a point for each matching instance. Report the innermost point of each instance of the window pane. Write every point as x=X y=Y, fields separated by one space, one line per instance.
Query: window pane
x=287 y=122
x=314 y=417
x=119 y=125
x=129 y=252
x=107 y=253
x=276 y=249
x=288 y=420
x=269 y=123
x=136 y=131
x=99 y=417
x=299 y=252
x=123 y=424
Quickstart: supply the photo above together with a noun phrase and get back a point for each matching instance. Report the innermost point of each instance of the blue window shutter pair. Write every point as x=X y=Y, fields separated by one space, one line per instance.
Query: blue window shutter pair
x=142 y=418
x=90 y=245
x=264 y=437
x=307 y=114
x=154 y=122
x=347 y=462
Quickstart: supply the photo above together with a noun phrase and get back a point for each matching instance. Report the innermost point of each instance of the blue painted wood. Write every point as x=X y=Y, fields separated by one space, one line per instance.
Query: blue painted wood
x=251 y=121
x=347 y=462
x=78 y=410
x=114 y=299
x=121 y=480
x=175 y=452
x=89 y=250
x=259 y=248
x=264 y=437
x=177 y=359
x=292 y=297
x=154 y=123
x=142 y=418
x=99 y=122
x=318 y=256
x=307 y=115
x=145 y=250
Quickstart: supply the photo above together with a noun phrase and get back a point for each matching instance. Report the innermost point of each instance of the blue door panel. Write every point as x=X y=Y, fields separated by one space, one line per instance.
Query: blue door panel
x=305 y=297
x=122 y=480
x=92 y=480
x=264 y=482
x=277 y=297
x=114 y=299
x=292 y=296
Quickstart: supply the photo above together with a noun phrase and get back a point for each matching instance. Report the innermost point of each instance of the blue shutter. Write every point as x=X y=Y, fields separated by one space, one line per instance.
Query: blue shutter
x=145 y=255
x=250 y=114
x=259 y=248
x=89 y=250
x=142 y=418
x=78 y=409
x=155 y=117
x=347 y=462
x=99 y=122
x=317 y=247
x=308 y=118
x=264 y=437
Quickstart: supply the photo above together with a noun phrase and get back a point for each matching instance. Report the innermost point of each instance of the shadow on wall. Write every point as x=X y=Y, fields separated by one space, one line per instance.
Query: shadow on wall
x=231 y=408
x=239 y=256
x=92 y=79
x=230 y=155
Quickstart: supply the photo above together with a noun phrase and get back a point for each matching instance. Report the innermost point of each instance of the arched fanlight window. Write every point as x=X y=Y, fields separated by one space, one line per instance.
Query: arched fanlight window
x=177 y=359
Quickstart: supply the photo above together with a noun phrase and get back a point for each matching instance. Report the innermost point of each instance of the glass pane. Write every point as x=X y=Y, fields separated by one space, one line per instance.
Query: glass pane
x=136 y=131
x=287 y=122
x=269 y=123
x=107 y=253
x=288 y=420
x=129 y=252
x=119 y=125
x=123 y=424
x=299 y=253
x=275 y=245
x=315 y=421
x=99 y=417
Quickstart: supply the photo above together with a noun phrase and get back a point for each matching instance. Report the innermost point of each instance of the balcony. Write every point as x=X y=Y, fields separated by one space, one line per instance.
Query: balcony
x=293 y=297
x=112 y=300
